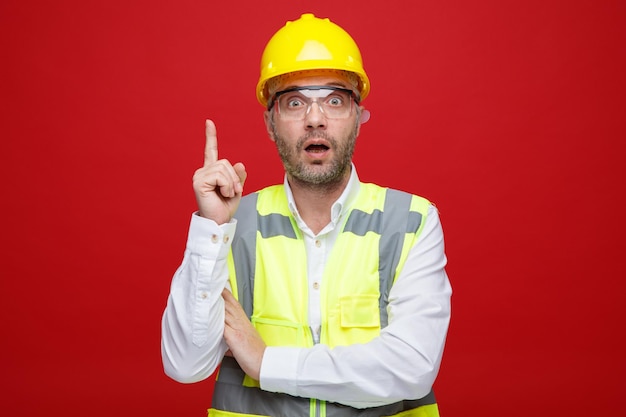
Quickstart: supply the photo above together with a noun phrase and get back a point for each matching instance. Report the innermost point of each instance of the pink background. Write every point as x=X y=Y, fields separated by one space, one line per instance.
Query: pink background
x=510 y=116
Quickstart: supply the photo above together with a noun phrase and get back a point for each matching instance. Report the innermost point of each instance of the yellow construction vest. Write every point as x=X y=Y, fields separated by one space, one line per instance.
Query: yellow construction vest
x=268 y=275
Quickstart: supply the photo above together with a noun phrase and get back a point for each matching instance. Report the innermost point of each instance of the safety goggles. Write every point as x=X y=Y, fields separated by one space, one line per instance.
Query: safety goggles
x=295 y=103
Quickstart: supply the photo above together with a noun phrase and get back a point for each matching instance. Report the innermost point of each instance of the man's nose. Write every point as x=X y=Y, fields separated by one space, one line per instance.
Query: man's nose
x=315 y=117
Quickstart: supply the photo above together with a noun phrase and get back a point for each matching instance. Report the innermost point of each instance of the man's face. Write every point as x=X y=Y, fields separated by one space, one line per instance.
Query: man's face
x=316 y=150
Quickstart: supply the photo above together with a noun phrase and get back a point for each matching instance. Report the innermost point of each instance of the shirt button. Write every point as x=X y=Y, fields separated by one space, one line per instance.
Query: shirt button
x=316 y=286
x=318 y=243
x=226 y=239
x=214 y=238
x=204 y=295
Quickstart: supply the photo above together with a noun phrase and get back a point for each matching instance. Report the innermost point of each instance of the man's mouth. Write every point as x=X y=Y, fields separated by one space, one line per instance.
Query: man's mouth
x=316 y=148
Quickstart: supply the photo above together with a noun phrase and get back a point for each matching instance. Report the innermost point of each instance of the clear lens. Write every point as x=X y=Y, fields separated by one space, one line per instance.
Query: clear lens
x=295 y=103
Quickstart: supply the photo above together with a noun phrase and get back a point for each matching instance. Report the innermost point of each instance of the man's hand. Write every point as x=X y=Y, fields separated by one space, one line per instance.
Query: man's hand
x=218 y=185
x=244 y=341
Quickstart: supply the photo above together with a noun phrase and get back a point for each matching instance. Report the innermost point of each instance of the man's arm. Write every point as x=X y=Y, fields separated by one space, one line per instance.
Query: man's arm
x=192 y=326
x=193 y=322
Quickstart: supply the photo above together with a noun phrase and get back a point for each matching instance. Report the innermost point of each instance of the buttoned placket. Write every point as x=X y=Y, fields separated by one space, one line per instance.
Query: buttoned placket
x=316 y=252
x=318 y=249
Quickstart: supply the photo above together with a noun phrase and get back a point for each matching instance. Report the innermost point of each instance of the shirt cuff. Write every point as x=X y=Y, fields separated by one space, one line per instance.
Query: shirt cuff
x=205 y=236
x=279 y=369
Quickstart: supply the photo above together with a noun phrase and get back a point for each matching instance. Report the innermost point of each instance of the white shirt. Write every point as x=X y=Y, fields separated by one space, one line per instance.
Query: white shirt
x=402 y=363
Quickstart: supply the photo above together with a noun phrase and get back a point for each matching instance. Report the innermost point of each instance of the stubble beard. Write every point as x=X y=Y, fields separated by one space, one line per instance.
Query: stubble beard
x=316 y=176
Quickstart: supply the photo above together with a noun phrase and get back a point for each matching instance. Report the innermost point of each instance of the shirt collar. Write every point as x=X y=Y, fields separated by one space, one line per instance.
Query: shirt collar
x=339 y=207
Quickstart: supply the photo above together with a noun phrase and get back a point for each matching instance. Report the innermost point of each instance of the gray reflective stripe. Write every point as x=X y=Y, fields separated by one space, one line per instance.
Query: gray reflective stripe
x=397 y=221
x=230 y=371
x=414 y=222
x=244 y=250
x=230 y=395
x=360 y=222
x=276 y=225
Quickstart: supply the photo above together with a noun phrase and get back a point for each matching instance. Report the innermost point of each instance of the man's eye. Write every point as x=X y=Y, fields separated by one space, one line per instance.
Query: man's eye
x=294 y=103
x=334 y=101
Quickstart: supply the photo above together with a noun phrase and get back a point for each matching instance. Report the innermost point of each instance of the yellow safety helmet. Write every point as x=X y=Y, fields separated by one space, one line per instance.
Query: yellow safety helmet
x=310 y=43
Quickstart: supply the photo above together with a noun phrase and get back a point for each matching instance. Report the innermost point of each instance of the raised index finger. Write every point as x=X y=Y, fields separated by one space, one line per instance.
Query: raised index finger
x=210 y=149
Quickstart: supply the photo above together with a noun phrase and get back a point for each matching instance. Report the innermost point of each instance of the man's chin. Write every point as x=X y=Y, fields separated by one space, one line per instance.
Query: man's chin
x=322 y=174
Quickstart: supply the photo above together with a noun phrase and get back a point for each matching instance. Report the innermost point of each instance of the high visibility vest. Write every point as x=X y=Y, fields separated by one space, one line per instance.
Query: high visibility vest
x=268 y=275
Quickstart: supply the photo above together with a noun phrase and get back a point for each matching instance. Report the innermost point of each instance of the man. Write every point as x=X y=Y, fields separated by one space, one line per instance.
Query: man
x=323 y=296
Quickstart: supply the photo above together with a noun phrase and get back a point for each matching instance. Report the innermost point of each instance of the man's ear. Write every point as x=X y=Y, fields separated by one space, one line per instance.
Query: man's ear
x=269 y=124
x=365 y=115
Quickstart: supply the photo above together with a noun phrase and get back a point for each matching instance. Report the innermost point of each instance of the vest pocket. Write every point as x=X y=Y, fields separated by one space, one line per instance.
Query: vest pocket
x=357 y=320
x=281 y=332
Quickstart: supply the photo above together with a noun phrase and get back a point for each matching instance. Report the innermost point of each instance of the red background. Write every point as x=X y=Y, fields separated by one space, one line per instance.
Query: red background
x=510 y=116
